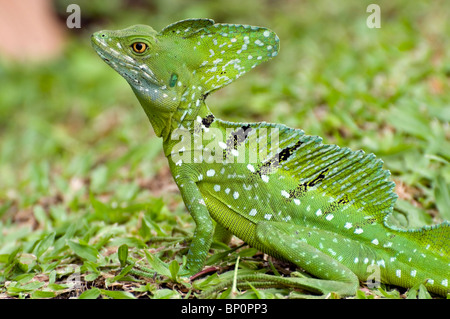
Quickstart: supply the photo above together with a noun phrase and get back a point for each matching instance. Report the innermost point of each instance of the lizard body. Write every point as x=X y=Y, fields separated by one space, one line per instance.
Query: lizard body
x=321 y=207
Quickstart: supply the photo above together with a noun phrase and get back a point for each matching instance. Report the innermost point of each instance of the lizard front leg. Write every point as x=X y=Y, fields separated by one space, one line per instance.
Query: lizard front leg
x=204 y=230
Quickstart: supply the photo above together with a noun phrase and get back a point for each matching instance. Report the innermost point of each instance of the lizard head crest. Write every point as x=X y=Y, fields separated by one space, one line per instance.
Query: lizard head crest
x=217 y=54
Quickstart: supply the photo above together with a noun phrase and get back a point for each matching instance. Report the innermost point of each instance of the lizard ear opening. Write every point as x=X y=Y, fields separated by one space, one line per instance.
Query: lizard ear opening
x=223 y=52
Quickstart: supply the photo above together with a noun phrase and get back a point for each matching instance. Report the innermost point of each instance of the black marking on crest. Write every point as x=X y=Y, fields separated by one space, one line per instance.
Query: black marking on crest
x=299 y=191
x=204 y=96
x=207 y=120
x=344 y=200
x=302 y=188
x=274 y=162
x=318 y=179
x=335 y=205
x=288 y=151
x=237 y=138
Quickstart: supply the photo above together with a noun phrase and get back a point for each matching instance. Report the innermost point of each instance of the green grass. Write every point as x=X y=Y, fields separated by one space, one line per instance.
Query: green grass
x=82 y=174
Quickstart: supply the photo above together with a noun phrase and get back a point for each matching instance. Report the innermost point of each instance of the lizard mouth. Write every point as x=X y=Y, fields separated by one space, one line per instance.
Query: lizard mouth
x=124 y=64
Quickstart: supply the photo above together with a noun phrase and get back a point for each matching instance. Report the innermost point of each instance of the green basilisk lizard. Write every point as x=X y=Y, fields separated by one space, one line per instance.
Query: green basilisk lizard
x=318 y=206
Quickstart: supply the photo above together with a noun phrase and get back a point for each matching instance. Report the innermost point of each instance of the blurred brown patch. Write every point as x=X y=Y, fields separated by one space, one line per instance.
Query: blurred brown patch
x=29 y=30
x=407 y=193
x=161 y=183
x=436 y=85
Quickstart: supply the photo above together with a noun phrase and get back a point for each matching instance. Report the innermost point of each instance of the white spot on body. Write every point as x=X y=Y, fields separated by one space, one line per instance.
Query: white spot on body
x=259 y=42
x=285 y=194
x=331 y=251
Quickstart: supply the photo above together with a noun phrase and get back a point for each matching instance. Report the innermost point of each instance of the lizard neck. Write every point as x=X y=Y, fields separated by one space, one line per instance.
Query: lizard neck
x=189 y=114
x=182 y=115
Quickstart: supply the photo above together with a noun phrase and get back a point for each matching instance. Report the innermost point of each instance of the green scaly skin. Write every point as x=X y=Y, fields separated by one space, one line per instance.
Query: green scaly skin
x=318 y=206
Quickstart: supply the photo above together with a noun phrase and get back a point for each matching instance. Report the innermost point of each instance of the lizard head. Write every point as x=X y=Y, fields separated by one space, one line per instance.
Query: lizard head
x=138 y=55
x=179 y=66
x=135 y=53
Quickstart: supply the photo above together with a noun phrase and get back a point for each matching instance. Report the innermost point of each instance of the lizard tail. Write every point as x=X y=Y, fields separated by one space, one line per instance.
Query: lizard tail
x=434 y=238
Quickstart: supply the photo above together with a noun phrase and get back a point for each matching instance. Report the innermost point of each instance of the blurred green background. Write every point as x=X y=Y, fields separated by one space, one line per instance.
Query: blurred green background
x=71 y=129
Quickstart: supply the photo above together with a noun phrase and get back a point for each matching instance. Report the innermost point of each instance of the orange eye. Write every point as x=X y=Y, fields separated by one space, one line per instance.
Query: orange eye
x=139 y=47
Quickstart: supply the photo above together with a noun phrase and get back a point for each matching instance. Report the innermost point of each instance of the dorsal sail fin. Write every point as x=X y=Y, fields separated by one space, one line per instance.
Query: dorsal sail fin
x=354 y=177
x=186 y=27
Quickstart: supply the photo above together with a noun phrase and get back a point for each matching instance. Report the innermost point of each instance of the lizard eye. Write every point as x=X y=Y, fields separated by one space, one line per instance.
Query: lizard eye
x=139 y=47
